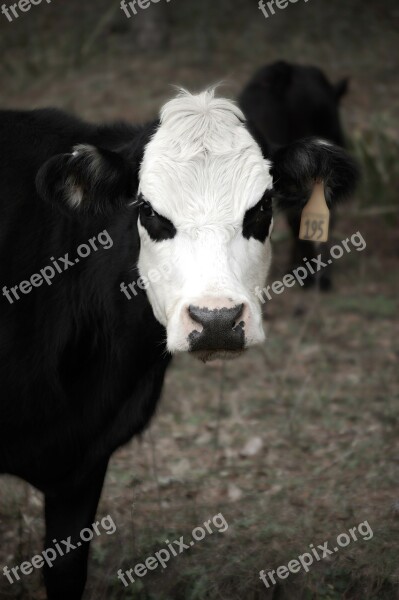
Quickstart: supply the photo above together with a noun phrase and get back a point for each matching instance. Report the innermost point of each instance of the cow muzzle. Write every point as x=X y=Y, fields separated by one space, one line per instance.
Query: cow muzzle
x=216 y=331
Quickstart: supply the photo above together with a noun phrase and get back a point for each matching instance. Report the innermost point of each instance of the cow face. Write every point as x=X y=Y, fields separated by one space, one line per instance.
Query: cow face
x=203 y=195
x=206 y=217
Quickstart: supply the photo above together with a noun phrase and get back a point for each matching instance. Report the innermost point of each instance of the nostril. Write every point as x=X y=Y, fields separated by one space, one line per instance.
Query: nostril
x=239 y=309
x=196 y=314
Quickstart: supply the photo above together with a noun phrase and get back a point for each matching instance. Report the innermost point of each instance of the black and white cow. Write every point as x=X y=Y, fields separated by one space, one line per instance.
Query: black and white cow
x=81 y=366
x=285 y=102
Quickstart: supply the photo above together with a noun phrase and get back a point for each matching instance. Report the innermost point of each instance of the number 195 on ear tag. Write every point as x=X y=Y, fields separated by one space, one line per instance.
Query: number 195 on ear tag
x=315 y=217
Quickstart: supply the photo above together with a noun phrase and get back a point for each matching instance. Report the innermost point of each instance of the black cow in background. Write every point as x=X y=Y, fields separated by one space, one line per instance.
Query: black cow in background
x=285 y=102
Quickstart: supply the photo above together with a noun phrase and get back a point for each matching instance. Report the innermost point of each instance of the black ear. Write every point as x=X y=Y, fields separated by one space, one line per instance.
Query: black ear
x=296 y=167
x=91 y=180
x=341 y=88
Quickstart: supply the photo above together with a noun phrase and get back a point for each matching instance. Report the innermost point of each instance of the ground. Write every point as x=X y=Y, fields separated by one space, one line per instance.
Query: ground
x=296 y=442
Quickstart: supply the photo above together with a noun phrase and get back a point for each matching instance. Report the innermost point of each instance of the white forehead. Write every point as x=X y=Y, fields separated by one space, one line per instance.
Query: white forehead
x=202 y=165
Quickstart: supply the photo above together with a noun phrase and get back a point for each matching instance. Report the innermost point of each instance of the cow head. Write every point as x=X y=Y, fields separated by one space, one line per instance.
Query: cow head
x=203 y=193
x=284 y=102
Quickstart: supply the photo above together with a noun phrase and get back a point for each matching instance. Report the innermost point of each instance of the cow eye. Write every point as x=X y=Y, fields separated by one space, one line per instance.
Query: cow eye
x=159 y=228
x=258 y=219
x=147 y=210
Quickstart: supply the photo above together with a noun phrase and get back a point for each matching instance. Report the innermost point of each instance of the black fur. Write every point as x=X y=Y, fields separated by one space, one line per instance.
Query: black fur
x=284 y=102
x=81 y=368
x=296 y=167
x=257 y=220
x=104 y=179
x=159 y=228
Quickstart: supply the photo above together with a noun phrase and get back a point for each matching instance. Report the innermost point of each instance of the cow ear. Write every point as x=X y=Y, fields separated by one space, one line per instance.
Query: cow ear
x=341 y=89
x=88 y=181
x=296 y=167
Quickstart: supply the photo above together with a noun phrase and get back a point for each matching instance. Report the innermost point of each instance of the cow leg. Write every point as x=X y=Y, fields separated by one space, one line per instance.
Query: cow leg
x=66 y=514
x=324 y=276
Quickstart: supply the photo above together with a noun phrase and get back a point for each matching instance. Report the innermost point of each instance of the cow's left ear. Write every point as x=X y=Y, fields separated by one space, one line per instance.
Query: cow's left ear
x=296 y=167
x=341 y=88
x=88 y=181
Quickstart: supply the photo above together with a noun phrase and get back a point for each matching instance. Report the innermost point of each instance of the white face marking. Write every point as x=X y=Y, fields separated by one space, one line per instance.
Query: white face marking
x=202 y=170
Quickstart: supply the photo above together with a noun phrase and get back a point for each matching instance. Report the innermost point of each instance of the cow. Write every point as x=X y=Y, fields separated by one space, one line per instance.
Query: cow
x=88 y=208
x=284 y=102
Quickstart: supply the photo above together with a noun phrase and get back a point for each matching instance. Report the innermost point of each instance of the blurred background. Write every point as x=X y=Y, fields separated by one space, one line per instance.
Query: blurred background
x=298 y=440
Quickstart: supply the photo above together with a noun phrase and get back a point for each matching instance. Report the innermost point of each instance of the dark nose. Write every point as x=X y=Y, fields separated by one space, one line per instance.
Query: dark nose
x=221 y=328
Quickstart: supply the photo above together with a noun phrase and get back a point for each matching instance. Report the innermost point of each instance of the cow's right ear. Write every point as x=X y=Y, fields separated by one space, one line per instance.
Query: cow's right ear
x=88 y=181
x=296 y=167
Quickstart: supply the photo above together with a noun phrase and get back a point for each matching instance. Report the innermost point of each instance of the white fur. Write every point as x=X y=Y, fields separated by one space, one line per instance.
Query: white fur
x=75 y=193
x=203 y=171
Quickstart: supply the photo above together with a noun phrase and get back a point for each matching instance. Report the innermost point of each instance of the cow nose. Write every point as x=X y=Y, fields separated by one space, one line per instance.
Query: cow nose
x=222 y=328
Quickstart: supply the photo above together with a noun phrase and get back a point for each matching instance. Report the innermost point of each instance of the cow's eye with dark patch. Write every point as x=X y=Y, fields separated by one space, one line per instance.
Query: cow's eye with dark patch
x=258 y=219
x=159 y=228
x=147 y=210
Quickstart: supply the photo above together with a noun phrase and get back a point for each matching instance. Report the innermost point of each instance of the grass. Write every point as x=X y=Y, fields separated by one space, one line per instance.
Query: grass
x=377 y=153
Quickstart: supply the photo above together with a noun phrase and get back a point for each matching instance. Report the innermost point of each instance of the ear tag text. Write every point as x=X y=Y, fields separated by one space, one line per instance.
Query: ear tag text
x=315 y=216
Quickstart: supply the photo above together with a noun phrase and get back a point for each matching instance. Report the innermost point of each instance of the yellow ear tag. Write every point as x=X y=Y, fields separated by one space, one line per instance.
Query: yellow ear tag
x=315 y=216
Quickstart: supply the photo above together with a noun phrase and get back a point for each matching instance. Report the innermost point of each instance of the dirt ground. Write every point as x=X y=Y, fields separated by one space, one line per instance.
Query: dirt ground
x=297 y=441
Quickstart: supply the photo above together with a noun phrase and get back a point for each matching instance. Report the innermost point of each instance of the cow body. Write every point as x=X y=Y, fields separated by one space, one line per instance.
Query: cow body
x=284 y=102
x=81 y=366
x=70 y=351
